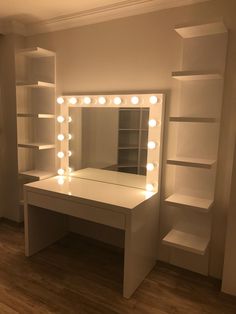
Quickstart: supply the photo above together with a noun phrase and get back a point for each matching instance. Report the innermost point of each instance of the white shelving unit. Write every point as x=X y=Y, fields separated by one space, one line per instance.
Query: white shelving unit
x=191 y=162
x=208 y=29
x=37 y=174
x=39 y=146
x=195 y=75
x=133 y=138
x=193 y=119
x=36 y=110
x=36 y=115
x=187 y=241
x=36 y=84
x=190 y=202
x=196 y=134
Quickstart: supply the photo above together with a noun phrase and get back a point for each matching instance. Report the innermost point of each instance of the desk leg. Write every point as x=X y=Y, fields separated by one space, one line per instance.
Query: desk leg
x=42 y=228
x=141 y=240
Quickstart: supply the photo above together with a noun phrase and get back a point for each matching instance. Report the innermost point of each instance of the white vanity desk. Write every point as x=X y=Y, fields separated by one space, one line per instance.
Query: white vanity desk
x=49 y=202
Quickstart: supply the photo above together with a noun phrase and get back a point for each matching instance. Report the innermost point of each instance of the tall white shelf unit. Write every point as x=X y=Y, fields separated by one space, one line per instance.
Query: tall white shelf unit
x=35 y=94
x=196 y=123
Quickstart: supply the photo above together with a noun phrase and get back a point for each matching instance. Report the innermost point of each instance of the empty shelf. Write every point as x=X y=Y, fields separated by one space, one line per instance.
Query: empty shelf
x=36 y=52
x=201 y=30
x=39 y=146
x=191 y=162
x=193 y=119
x=36 y=115
x=194 y=75
x=39 y=174
x=36 y=84
x=187 y=241
x=180 y=200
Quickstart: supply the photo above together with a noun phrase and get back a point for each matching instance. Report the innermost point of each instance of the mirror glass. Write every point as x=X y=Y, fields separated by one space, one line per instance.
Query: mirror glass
x=109 y=144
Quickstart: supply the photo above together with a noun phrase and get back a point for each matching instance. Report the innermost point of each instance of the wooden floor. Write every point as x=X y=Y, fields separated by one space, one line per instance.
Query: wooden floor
x=78 y=276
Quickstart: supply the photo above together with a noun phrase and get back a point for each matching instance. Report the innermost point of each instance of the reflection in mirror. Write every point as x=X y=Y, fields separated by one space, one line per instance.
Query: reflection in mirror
x=113 y=139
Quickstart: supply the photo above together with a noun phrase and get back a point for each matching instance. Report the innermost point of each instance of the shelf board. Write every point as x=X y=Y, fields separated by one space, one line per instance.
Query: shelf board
x=39 y=146
x=195 y=75
x=201 y=30
x=36 y=115
x=127 y=165
x=37 y=84
x=180 y=200
x=128 y=147
x=38 y=174
x=186 y=241
x=193 y=119
x=129 y=129
x=191 y=162
x=36 y=52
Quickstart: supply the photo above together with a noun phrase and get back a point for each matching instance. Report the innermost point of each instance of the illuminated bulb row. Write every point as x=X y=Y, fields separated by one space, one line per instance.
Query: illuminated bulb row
x=62 y=154
x=61 y=171
x=61 y=119
x=61 y=137
x=135 y=100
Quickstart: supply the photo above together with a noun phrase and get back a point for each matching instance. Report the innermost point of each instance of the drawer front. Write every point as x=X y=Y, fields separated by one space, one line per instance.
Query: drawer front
x=91 y=213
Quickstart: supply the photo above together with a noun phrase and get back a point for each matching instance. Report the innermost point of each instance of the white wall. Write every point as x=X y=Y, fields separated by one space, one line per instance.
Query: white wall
x=139 y=53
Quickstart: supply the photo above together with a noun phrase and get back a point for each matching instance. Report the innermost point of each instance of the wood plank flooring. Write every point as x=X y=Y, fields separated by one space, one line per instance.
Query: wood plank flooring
x=79 y=276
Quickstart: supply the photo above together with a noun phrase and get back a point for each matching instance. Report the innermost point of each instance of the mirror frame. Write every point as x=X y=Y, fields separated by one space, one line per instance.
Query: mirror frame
x=155 y=103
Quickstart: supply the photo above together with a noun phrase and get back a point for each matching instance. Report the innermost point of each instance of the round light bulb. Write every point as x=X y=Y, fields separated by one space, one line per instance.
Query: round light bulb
x=87 y=100
x=69 y=153
x=153 y=100
x=60 y=119
x=150 y=166
x=152 y=123
x=60 y=137
x=102 y=100
x=117 y=100
x=69 y=137
x=61 y=172
x=135 y=100
x=72 y=100
x=60 y=100
x=60 y=155
x=149 y=187
x=69 y=119
x=151 y=145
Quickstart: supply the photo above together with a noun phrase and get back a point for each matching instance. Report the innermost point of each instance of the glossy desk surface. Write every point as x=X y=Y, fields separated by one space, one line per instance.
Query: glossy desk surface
x=91 y=192
x=114 y=177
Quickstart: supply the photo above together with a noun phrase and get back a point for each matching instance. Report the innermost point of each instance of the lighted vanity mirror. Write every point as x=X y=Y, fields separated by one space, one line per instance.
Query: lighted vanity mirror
x=115 y=139
x=112 y=139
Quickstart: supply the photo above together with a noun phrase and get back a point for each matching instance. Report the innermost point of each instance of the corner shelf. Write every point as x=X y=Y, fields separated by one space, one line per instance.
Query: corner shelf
x=36 y=52
x=37 y=174
x=191 y=162
x=37 y=84
x=201 y=30
x=39 y=146
x=192 y=119
x=36 y=115
x=186 y=241
x=195 y=75
x=186 y=201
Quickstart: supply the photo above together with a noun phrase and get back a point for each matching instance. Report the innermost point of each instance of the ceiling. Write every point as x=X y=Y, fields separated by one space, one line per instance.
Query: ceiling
x=59 y=14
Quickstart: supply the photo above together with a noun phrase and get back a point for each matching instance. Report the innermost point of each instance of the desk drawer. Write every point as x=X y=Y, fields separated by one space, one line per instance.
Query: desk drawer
x=90 y=213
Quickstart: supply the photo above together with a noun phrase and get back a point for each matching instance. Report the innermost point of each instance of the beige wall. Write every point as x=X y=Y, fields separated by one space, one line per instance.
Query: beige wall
x=139 y=53
x=229 y=274
x=8 y=166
